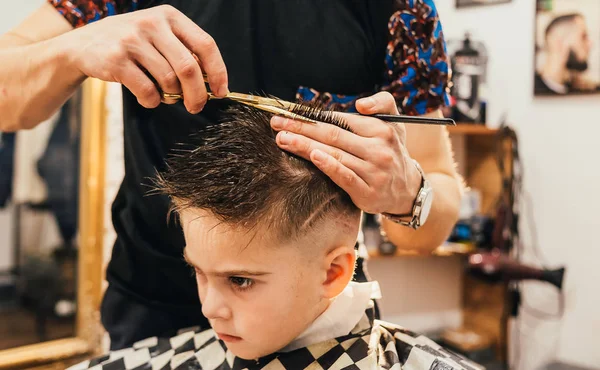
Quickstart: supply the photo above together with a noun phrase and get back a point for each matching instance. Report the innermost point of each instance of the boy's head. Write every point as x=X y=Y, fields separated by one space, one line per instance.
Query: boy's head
x=271 y=238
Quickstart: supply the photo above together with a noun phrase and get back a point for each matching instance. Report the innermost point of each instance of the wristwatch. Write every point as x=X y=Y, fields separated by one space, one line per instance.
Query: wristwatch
x=421 y=206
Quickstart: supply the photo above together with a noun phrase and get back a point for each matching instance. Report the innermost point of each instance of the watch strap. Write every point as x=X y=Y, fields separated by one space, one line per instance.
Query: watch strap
x=409 y=219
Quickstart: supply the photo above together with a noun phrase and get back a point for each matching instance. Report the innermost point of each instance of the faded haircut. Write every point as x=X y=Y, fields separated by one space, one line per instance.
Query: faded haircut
x=236 y=171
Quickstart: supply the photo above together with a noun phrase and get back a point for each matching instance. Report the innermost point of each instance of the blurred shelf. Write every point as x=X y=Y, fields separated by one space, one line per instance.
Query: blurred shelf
x=445 y=250
x=471 y=129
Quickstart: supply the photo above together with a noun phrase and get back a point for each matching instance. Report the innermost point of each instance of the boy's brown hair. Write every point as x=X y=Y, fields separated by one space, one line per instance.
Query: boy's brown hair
x=236 y=171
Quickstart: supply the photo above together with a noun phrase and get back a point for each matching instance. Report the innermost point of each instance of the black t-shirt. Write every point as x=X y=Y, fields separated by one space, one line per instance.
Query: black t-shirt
x=334 y=48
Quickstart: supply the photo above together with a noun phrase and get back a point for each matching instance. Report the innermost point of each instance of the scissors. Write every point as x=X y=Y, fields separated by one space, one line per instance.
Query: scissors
x=286 y=109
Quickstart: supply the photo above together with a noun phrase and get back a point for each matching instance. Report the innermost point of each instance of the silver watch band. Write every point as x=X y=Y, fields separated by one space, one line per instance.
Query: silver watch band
x=411 y=219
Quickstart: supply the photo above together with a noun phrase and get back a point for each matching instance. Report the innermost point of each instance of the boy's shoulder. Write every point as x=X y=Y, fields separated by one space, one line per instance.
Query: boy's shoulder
x=373 y=344
x=397 y=345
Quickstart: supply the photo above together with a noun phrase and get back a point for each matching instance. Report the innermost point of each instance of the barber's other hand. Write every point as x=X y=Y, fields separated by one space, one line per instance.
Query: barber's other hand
x=161 y=41
x=371 y=164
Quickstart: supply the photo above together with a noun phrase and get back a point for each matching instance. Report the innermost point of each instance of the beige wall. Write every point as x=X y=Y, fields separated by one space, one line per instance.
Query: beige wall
x=13 y=12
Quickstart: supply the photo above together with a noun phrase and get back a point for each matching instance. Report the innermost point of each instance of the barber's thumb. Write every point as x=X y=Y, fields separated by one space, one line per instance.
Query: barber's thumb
x=382 y=103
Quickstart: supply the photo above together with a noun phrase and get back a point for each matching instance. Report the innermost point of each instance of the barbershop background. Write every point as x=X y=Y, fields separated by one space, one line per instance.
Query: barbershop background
x=492 y=293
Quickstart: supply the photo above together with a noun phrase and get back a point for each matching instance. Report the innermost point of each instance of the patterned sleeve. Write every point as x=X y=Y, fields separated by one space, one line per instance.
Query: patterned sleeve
x=417 y=71
x=81 y=12
x=417 y=68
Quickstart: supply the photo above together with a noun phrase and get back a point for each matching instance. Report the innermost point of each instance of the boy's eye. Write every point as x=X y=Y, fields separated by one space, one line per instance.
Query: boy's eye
x=241 y=283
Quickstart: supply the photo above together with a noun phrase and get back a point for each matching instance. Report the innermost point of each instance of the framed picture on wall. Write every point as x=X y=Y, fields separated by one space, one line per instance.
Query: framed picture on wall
x=567 y=47
x=469 y=3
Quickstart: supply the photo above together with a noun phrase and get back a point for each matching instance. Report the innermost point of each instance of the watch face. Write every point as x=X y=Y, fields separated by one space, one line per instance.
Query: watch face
x=426 y=207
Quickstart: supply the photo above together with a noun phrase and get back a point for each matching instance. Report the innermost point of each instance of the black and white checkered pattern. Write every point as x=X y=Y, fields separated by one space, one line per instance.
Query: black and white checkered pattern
x=372 y=344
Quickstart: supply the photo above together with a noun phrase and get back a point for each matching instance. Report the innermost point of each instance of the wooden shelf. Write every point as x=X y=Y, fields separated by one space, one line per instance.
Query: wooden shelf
x=471 y=129
x=445 y=250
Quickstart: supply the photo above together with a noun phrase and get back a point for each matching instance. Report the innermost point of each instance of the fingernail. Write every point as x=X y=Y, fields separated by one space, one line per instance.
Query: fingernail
x=285 y=138
x=318 y=156
x=196 y=110
x=368 y=103
x=277 y=122
x=223 y=90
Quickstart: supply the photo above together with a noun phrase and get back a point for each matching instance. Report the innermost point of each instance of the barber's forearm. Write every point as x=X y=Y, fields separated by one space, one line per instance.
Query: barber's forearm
x=35 y=80
x=441 y=220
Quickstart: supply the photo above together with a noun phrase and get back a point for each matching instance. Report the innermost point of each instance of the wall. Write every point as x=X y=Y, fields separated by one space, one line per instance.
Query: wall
x=558 y=142
x=420 y=293
x=13 y=12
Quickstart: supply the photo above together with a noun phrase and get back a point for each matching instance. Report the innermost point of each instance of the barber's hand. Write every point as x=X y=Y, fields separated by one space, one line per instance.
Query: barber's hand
x=159 y=40
x=371 y=164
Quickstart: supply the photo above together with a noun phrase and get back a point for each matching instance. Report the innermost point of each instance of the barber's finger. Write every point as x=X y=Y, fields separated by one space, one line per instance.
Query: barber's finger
x=205 y=47
x=140 y=85
x=344 y=177
x=303 y=146
x=186 y=68
x=325 y=133
x=380 y=103
x=160 y=70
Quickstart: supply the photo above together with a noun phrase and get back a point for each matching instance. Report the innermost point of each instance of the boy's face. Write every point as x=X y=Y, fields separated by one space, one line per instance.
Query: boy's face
x=259 y=294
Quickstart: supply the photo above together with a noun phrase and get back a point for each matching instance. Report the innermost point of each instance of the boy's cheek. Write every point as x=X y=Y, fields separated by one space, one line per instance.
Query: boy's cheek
x=266 y=309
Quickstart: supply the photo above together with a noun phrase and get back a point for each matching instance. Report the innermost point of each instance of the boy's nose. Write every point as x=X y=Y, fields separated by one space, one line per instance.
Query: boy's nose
x=214 y=305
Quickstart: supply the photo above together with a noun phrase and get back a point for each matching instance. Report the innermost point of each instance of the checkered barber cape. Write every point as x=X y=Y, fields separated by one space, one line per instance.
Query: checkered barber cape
x=371 y=345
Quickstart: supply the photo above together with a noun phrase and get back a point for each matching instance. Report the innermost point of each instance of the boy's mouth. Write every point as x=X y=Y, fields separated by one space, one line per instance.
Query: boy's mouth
x=228 y=338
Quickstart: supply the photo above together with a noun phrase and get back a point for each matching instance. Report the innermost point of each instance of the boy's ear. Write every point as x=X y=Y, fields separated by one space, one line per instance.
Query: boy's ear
x=339 y=267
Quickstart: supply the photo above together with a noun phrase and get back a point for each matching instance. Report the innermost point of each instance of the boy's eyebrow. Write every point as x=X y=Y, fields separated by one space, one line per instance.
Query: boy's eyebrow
x=240 y=273
x=226 y=273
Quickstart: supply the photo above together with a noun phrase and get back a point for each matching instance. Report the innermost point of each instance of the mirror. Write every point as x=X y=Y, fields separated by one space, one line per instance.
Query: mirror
x=39 y=301
x=51 y=235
